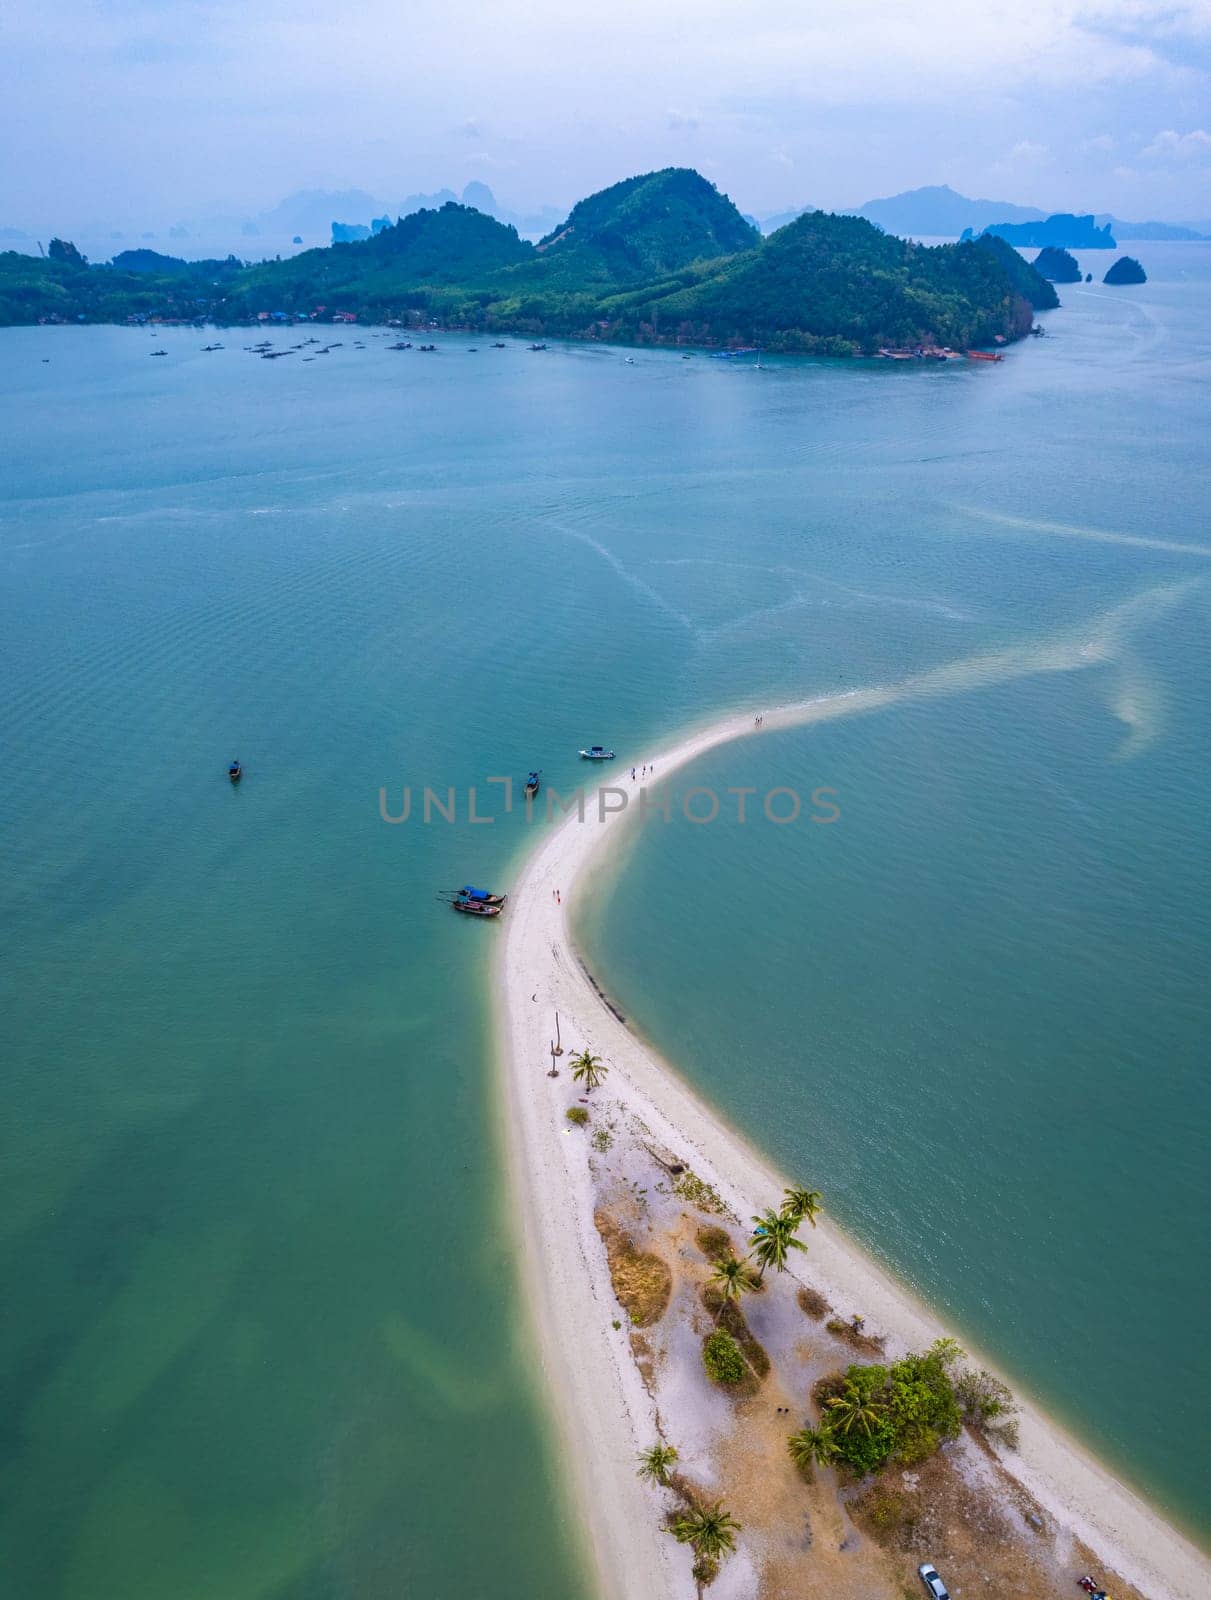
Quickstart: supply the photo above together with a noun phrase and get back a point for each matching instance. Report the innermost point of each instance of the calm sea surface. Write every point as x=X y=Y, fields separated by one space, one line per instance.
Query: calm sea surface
x=261 y=1333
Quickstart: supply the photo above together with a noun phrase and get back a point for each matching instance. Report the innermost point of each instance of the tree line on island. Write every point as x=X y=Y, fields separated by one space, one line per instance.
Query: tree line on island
x=662 y=258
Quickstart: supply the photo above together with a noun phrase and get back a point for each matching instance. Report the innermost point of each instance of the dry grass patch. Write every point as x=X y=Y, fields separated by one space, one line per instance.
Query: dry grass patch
x=642 y=1281
x=715 y=1243
x=867 y=1344
x=813 y=1304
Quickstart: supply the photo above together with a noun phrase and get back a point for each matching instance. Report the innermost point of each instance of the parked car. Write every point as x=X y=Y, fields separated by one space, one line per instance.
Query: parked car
x=929 y=1577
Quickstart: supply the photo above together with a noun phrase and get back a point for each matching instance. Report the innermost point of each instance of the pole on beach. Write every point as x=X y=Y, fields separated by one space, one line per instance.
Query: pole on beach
x=554 y=1072
x=557 y=1047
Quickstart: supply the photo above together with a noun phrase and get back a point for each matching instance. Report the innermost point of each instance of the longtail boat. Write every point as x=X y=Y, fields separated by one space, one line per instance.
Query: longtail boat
x=475 y=908
x=532 y=784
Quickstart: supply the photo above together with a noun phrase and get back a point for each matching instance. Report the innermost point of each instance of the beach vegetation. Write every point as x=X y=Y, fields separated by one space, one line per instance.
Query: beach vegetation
x=656 y=1463
x=813 y=1304
x=723 y=1359
x=715 y=1243
x=577 y=1115
x=987 y=1405
x=641 y=1280
x=708 y=1529
x=731 y=1319
x=589 y=1070
x=602 y=1140
x=689 y=1186
x=730 y=1279
x=802 y=1205
x=899 y=1412
x=773 y=1238
x=811 y=1447
x=854 y=1335
x=704 y=1571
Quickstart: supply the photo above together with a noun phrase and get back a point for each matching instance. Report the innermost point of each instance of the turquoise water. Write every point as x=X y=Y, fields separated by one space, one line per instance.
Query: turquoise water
x=263 y=1334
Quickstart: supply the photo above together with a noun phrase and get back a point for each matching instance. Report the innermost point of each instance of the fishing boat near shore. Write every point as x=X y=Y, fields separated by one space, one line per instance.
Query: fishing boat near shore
x=532 y=784
x=481 y=897
x=596 y=752
x=985 y=355
x=475 y=908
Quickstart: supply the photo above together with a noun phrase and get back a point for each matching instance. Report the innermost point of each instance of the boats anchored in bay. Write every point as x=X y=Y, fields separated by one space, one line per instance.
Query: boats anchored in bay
x=474 y=902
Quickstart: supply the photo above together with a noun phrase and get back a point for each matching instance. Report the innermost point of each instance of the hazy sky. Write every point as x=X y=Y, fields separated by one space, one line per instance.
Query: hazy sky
x=156 y=110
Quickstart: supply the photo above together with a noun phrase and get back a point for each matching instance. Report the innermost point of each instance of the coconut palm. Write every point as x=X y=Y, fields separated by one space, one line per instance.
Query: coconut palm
x=709 y=1529
x=655 y=1461
x=773 y=1238
x=802 y=1204
x=812 y=1446
x=853 y=1409
x=588 y=1069
x=732 y=1279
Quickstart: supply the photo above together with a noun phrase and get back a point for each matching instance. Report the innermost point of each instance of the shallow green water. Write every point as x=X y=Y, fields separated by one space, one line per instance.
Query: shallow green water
x=262 y=1335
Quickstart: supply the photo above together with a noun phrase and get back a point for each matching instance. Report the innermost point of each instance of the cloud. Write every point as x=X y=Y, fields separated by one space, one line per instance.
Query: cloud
x=1025 y=156
x=681 y=120
x=1173 y=146
x=1100 y=144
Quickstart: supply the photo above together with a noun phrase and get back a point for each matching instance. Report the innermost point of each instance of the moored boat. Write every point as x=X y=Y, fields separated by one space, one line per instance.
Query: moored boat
x=475 y=908
x=532 y=784
x=481 y=897
x=596 y=752
x=235 y=772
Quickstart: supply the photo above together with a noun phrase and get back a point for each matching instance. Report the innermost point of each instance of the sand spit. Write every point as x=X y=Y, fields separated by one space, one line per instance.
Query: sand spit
x=604 y=1407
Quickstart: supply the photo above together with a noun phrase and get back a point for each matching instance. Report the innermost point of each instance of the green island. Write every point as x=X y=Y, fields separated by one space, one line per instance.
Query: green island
x=662 y=258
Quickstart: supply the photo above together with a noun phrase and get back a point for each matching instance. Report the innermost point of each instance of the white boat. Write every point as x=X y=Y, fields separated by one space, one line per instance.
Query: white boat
x=596 y=753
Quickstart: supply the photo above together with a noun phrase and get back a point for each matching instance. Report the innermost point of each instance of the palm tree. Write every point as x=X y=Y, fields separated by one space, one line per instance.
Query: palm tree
x=812 y=1446
x=802 y=1204
x=773 y=1236
x=709 y=1529
x=588 y=1069
x=655 y=1461
x=853 y=1408
x=732 y=1279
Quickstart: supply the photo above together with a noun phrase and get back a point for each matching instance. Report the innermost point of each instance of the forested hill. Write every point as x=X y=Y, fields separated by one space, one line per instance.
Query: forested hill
x=648 y=226
x=660 y=258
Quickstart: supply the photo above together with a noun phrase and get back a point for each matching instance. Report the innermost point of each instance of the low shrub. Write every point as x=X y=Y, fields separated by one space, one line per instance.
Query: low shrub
x=813 y=1303
x=987 y=1405
x=715 y=1243
x=722 y=1358
x=578 y=1115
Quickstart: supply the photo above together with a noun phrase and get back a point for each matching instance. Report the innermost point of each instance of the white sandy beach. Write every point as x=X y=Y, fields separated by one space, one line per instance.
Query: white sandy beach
x=601 y=1405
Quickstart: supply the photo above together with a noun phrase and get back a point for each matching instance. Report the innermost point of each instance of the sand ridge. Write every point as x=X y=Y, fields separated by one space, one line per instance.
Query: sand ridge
x=601 y=1405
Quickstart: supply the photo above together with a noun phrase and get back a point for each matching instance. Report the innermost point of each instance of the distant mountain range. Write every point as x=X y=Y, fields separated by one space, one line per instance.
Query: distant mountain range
x=531 y=224
x=939 y=212
x=312 y=217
